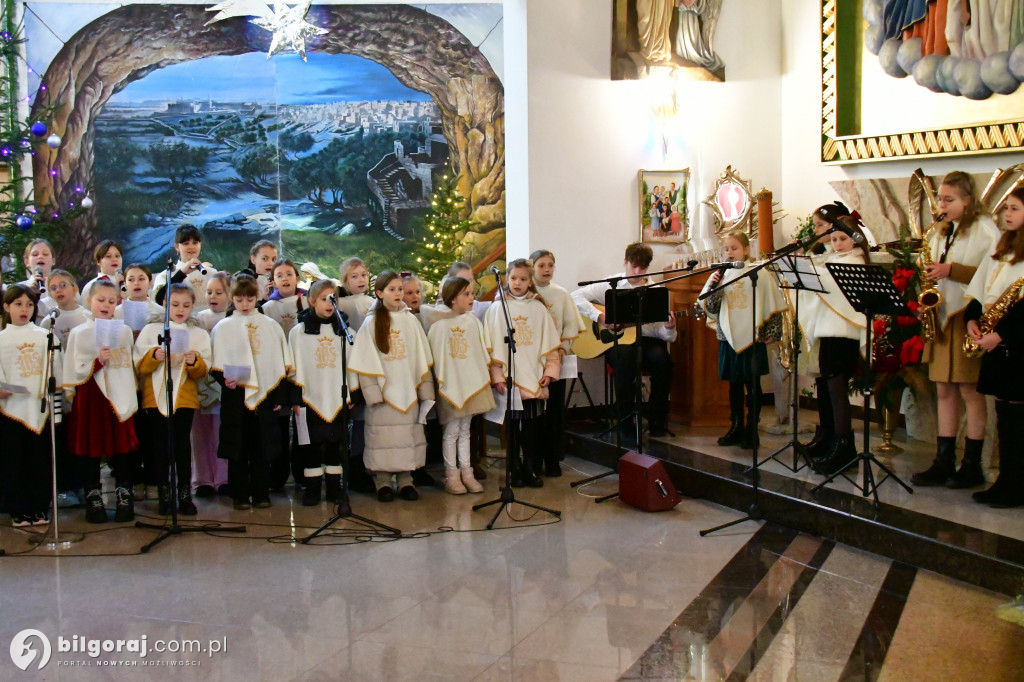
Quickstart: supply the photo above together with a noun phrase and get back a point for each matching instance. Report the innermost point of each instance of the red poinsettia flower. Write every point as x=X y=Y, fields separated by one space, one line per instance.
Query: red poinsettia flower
x=878 y=326
x=906 y=320
x=912 y=350
x=889 y=362
x=913 y=305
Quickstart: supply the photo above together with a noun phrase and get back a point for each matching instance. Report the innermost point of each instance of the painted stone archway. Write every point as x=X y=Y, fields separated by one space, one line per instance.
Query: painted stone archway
x=423 y=52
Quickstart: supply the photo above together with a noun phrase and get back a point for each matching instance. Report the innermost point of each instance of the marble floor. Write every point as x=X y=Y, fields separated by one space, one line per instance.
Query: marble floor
x=953 y=505
x=607 y=592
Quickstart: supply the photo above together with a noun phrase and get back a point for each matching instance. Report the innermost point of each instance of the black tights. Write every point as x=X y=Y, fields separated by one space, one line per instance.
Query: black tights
x=121 y=465
x=737 y=391
x=838 y=391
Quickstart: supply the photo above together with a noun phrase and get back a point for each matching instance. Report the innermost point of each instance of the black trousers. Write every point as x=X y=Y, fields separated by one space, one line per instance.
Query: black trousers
x=553 y=422
x=25 y=464
x=658 y=363
x=523 y=453
x=249 y=441
x=181 y=424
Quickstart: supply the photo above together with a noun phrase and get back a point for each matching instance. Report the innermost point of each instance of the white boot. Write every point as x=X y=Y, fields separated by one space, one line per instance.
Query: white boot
x=469 y=480
x=452 y=483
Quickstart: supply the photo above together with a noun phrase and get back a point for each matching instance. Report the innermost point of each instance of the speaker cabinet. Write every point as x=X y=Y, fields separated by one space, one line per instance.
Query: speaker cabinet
x=644 y=483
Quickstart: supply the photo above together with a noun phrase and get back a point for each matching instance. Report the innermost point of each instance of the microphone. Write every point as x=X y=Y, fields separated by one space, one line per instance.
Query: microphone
x=839 y=227
x=202 y=270
x=39 y=282
x=494 y=269
x=117 y=273
x=52 y=315
x=737 y=264
x=690 y=265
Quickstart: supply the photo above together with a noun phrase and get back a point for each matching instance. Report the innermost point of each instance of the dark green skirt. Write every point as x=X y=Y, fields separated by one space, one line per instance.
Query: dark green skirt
x=733 y=366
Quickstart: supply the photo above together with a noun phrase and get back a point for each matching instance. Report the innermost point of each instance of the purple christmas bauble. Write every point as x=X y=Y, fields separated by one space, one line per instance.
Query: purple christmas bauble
x=23 y=222
x=38 y=128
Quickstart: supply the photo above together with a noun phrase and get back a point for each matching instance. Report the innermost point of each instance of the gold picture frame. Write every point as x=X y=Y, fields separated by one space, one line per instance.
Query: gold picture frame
x=731 y=202
x=664 y=206
x=840 y=93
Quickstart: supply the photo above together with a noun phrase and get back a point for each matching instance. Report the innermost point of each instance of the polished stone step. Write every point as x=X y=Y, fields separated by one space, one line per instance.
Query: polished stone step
x=975 y=556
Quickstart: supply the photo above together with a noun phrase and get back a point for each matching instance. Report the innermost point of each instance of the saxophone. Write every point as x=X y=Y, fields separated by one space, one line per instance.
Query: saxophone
x=991 y=317
x=930 y=297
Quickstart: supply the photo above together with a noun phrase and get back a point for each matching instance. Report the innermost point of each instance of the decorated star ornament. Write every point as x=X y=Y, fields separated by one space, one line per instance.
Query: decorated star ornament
x=287 y=24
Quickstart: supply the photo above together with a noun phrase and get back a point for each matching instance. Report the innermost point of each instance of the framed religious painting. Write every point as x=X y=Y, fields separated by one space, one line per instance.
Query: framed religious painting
x=664 y=214
x=920 y=78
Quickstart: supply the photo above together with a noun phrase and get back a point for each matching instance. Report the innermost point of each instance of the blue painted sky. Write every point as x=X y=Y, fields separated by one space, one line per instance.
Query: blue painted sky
x=284 y=79
x=48 y=25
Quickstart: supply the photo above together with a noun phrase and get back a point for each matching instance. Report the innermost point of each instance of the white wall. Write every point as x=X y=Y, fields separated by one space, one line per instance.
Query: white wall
x=804 y=178
x=587 y=136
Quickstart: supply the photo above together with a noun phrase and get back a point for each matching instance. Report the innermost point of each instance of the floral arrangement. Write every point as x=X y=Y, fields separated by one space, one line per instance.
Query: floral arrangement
x=897 y=341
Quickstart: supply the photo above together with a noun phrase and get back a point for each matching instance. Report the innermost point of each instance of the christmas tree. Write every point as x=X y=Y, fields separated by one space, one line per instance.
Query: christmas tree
x=445 y=226
x=20 y=221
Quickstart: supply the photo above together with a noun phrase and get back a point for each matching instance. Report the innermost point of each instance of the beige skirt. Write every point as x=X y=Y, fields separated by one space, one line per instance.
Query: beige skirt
x=945 y=357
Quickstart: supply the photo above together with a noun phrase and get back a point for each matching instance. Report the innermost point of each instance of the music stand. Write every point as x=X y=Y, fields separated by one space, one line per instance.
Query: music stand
x=635 y=306
x=870 y=290
x=795 y=273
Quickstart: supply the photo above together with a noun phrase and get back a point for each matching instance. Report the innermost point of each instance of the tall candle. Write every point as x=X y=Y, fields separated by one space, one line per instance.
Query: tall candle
x=765 y=226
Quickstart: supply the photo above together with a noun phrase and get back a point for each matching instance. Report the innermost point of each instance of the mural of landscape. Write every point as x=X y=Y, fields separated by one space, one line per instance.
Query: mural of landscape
x=331 y=158
x=257 y=157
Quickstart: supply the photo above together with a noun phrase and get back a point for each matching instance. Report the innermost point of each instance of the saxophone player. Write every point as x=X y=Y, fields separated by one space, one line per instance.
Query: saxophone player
x=999 y=332
x=956 y=250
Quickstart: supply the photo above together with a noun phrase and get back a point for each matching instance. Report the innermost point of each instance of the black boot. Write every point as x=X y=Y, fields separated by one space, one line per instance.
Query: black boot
x=1008 y=490
x=163 y=504
x=94 y=509
x=841 y=455
x=125 y=510
x=969 y=475
x=942 y=466
x=750 y=439
x=825 y=429
x=734 y=436
x=735 y=433
x=311 y=495
x=186 y=507
x=335 y=493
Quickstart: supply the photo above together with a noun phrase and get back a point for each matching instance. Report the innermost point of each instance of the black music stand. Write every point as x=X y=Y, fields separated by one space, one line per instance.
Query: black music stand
x=636 y=306
x=795 y=278
x=870 y=290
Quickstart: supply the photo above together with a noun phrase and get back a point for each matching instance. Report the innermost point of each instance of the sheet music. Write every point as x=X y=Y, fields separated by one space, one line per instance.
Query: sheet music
x=497 y=413
x=425 y=408
x=108 y=333
x=13 y=388
x=239 y=373
x=301 y=427
x=569 y=367
x=135 y=313
x=179 y=341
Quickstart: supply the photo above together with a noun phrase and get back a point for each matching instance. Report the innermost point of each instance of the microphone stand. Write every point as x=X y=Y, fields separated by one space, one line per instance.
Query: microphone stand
x=344 y=511
x=175 y=528
x=638 y=378
x=754 y=512
x=52 y=538
x=507 y=495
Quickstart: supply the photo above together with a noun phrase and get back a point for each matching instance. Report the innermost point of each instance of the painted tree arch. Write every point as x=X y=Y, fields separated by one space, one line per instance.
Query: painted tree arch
x=423 y=52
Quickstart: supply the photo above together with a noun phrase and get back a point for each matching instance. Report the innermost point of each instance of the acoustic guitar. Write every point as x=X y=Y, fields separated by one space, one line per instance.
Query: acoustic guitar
x=595 y=339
